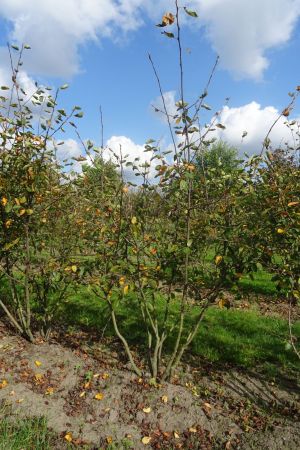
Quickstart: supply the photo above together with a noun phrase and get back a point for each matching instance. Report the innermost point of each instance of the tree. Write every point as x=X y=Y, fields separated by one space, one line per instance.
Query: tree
x=219 y=156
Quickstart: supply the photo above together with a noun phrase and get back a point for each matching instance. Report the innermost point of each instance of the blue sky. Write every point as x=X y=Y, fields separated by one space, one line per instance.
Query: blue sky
x=100 y=48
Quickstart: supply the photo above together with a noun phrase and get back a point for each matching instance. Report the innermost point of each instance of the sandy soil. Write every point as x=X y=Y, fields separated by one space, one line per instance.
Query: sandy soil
x=100 y=402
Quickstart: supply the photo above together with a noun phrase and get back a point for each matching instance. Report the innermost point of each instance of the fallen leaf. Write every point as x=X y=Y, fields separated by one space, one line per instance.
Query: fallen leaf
x=69 y=437
x=99 y=396
x=49 y=391
x=82 y=394
x=192 y=430
x=37 y=363
x=3 y=384
x=147 y=410
x=38 y=376
x=293 y=204
x=146 y=440
x=176 y=435
x=109 y=439
x=20 y=400
x=105 y=376
x=164 y=398
x=207 y=405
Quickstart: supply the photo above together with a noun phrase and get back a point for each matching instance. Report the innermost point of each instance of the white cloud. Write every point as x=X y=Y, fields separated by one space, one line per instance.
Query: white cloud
x=68 y=150
x=55 y=29
x=133 y=151
x=257 y=121
x=241 y=31
x=169 y=100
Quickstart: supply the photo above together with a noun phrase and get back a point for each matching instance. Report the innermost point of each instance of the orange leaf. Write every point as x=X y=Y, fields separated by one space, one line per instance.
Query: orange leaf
x=168 y=19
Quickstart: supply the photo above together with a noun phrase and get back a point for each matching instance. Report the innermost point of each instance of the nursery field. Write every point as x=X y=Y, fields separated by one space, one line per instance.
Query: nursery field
x=149 y=295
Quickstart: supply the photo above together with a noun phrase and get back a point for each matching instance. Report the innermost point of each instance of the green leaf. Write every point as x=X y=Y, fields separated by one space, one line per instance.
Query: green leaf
x=9 y=245
x=15 y=47
x=79 y=115
x=205 y=106
x=190 y=13
x=64 y=86
x=169 y=35
x=4 y=88
x=27 y=47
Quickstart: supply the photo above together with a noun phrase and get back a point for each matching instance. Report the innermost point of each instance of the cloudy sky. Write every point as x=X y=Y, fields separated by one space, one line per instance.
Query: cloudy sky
x=100 y=48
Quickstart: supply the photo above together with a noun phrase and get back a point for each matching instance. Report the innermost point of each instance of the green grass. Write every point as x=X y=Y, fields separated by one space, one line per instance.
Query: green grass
x=260 y=284
x=245 y=338
x=239 y=337
x=29 y=434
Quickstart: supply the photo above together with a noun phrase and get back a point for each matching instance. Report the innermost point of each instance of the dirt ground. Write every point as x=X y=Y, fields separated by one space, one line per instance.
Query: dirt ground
x=98 y=403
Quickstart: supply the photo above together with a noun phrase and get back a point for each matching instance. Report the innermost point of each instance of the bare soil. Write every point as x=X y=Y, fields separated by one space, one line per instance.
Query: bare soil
x=214 y=409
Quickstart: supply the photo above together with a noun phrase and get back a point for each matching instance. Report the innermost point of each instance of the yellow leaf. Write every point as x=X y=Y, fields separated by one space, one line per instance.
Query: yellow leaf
x=4 y=201
x=146 y=440
x=44 y=220
x=280 y=231
x=147 y=410
x=87 y=385
x=3 y=384
x=125 y=189
x=29 y=211
x=49 y=391
x=38 y=376
x=82 y=394
x=126 y=289
x=192 y=430
x=293 y=204
x=74 y=269
x=109 y=439
x=176 y=435
x=22 y=212
x=164 y=398
x=20 y=400
x=69 y=437
x=134 y=220
x=105 y=376
x=99 y=396
x=121 y=281
x=218 y=259
x=8 y=223
x=168 y=19
x=37 y=363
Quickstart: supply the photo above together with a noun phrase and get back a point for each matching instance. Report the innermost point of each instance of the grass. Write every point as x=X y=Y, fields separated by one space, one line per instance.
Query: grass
x=29 y=434
x=260 y=284
x=244 y=338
